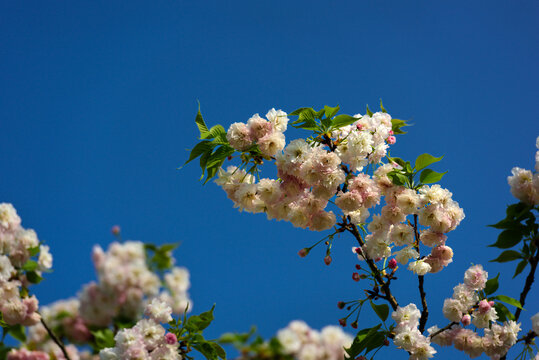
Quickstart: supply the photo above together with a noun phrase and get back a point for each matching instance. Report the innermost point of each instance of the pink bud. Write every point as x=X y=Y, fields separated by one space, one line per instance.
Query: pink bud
x=391 y=132
x=327 y=260
x=466 y=320
x=392 y=264
x=491 y=303
x=115 y=230
x=359 y=127
x=355 y=276
x=484 y=306
x=171 y=338
x=358 y=267
x=358 y=250
x=303 y=252
x=391 y=139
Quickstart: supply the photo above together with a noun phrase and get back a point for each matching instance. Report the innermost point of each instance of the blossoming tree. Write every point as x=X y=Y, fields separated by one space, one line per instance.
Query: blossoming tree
x=341 y=179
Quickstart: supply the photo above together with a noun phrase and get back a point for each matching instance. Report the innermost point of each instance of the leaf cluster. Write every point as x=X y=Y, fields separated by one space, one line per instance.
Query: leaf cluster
x=253 y=346
x=405 y=176
x=159 y=258
x=501 y=310
x=189 y=333
x=518 y=227
x=212 y=150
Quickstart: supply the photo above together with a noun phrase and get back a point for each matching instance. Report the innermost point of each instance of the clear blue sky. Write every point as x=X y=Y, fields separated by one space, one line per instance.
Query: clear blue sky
x=97 y=103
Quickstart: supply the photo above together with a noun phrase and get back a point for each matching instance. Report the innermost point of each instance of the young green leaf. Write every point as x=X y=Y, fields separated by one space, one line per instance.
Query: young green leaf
x=342 y=120
x=18 y=332
x=521 y=265
x=429 y=176
x=508 y=300
x=199 y=149
x=382 y=310
x=202 y=128
x=503 y=312
x=30 y=265
x=425 y=160
x=508 y=255
x=104 y=338
x=331 y=111
x=33 y=277
x=368 y=111
x=508 y=238
x=382 y=107
x=492 y=285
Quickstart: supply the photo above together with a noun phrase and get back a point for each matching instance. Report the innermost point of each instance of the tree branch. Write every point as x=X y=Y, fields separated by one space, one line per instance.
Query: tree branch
x=55 y=339
x=421 y=278
x=529 y=280
x=378 y=277
x=447 y=327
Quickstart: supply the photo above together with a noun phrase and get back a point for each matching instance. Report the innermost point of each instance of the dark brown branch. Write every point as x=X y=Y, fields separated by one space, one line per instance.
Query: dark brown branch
x=529 y=281
x=378 y=277
x=447 y=327
x=421 y=279
x=55 y=339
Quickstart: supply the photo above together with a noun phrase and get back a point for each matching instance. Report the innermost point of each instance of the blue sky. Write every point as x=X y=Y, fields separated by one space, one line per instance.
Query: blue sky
x=98 y=100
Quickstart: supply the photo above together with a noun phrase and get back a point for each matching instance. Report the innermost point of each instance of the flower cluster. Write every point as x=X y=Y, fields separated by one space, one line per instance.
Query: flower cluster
x=304 y=343
x=267 y=134
x=435 y=210
x=309 y=172
x=148 y=339
x=125 y=282
x=17 y=270
x=497 y=338
x=407 y=335
x=524 y=183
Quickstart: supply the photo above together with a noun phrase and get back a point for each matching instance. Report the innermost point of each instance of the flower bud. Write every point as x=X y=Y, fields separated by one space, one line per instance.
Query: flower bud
x=484 y=306
x=491 y=303
x=358 y=267
x=327 y=259
x=354 y=324
x=391 y=139
x=355 y=276
x=171 y=339
x=115 y=230
x=342 y=322
x=466 y=320
x=392 y=264
x=341 y=304
x=303 y=252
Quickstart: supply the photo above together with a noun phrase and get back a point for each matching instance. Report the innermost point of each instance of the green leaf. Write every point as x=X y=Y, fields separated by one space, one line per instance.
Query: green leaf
x=397 y=178
x=521 y=265
x=361 y=341
x=508 y=238
x=216 y=131
x=197 y=323
x=396 y=126
x=219 y=350
x=206 y=349
x=381 y=310
x=509 y=300
x=306 y=120
x=342 y=120
x=104 y=338
x=202 y=128
x=33 y=277
x=399 y=161
x=368 y=111
x=382 y=107
x=505 y=224
x=4 y=350
x=507 y=255
x=30 y=265
x=331 y=111
x=492 y=285
x=18 y=332
x=33 y=251
x=503 y=313
x=429 y=176
x=199 y=149
x=425 y=160
x=298 y=111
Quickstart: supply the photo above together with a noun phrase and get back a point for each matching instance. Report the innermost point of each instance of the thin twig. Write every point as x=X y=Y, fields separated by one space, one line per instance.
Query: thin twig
x=384 y=285
x=447 y=327
x=55 y=339
x=421 y=279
